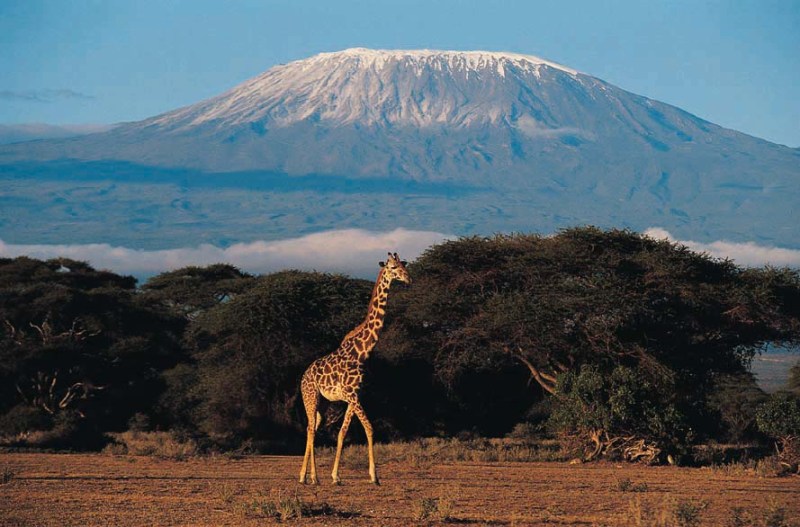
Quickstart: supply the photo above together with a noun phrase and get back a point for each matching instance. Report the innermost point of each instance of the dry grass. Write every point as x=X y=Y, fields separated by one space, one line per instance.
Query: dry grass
x=253 y=491
x=768 y=467
x=163 y=445
x=439 y=507
x=422 y=452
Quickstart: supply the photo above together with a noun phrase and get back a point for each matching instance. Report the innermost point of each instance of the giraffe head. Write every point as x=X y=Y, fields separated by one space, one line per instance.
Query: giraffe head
x=395 y=269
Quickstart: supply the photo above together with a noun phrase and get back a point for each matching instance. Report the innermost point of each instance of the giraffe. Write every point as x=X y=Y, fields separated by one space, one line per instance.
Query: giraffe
x=338 y=375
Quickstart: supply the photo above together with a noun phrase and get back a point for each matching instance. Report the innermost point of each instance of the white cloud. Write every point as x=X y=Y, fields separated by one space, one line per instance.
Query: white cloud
x=748 y=253
x=533 y=129
x=351 y=251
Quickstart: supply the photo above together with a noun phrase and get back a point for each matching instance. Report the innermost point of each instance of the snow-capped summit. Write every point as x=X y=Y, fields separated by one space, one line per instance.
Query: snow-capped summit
x=377 y=87
x=455 y=60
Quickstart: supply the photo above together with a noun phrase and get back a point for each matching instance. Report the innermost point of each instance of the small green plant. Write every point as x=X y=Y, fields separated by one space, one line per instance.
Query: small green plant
x=262 y=507
x=687 y=513
x=426 y=508
x=290 y=507
x=626 y=485
x=740 y=518
x=227 y=492
x=775 y=515
x=6 y=475
x=440 y=507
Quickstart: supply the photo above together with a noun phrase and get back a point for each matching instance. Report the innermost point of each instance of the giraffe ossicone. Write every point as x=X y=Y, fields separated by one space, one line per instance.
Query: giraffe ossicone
x=338 y=375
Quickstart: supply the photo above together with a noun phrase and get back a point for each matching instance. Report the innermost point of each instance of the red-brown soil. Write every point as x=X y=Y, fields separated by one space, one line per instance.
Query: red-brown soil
x=102 y=490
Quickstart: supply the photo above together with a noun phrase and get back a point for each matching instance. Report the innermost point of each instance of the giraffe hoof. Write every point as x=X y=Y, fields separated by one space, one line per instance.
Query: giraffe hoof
x=337 y=481
x=376 y=482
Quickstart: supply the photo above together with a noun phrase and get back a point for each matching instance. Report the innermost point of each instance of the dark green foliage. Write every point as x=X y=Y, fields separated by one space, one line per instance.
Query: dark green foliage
x=23 y=418
x=793 y=384
x=190 y=291
x=481 y=309
x=23 y=271
x=779 y=416
x=623 y=403
x=250 y=352
x=689 y=513
x=735 y=398
x=650 y=342
x=80 y=342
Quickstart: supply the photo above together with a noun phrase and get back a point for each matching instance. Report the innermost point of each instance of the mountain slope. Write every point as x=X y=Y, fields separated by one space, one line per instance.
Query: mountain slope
x=533 y=134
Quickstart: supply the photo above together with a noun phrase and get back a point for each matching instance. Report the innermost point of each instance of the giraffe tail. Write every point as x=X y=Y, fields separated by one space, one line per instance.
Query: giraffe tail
x=318 y=421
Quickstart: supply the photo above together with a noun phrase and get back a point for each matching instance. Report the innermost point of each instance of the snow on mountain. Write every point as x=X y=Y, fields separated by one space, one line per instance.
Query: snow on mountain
x=461 y=142
x=374 y=87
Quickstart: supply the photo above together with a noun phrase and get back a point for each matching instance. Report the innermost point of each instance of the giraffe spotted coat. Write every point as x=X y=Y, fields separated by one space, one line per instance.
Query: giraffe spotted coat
x=338 y=376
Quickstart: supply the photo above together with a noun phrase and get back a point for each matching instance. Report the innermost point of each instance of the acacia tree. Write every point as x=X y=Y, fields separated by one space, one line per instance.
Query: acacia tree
x=248 y=355
x=189 y=291
x=605 y=298
x=78 y=342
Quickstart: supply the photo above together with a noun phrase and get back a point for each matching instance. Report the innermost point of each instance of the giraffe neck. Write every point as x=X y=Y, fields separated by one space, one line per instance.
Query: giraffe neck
x=365 y=335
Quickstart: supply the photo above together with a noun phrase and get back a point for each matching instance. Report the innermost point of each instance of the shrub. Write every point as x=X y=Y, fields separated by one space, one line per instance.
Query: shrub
x=24 y=418
x=6 y=475
x=626 y=485
x=779 y=418
x=687 y=513
x=426 y=507
x=621 y=413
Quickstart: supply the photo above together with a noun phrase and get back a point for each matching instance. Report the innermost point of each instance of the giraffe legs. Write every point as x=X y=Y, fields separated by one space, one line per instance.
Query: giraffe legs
x=362 y=416
x=354 y=407
x=348 y=415
x=310 y=401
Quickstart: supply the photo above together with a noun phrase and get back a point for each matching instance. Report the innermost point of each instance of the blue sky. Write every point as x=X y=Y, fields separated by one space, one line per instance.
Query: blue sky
x=735 y=63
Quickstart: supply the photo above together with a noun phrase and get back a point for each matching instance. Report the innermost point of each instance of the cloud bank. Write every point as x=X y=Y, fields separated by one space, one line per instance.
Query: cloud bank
x=351 y=251
x=748 y=254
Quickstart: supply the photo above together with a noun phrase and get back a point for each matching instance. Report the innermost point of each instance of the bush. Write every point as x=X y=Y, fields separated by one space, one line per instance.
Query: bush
x=621 y=414
x=23 y=418
x=735 y=399
x=779 y=418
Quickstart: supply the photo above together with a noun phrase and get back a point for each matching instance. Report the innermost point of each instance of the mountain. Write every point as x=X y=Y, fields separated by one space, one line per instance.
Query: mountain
x=459 y=142
x=17 y=133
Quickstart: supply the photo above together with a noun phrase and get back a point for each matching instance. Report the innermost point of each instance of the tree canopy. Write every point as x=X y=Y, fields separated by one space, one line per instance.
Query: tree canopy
x=192 y=290
x=592 y=297
x=606 y=335
x=79 y=341
x=249 y=353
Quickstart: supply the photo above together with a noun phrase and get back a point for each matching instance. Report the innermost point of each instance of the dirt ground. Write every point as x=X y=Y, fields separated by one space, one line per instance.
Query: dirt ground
x=103 y=490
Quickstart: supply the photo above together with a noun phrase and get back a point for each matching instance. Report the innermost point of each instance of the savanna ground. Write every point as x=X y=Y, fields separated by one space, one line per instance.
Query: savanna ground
x=38 y=489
